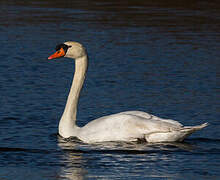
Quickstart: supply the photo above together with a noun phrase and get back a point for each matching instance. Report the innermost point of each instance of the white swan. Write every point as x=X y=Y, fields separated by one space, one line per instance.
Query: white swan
x=124 y=126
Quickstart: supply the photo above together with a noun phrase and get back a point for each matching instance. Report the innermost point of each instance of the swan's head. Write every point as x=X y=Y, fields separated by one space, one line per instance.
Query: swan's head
x=70 y=50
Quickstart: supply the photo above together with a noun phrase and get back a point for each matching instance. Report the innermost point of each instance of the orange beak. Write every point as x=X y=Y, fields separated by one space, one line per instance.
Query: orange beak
x=59 y=53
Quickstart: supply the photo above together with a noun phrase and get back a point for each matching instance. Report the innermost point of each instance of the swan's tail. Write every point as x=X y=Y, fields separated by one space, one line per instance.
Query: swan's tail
x=173 y=136
x=192 y=129
x=188 y=130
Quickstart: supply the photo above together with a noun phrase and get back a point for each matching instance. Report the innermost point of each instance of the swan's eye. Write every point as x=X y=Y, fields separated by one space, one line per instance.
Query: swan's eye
x=64 y=46
x=59 y=46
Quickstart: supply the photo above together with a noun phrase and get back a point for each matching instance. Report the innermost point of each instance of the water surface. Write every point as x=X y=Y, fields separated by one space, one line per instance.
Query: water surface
x=162 y=58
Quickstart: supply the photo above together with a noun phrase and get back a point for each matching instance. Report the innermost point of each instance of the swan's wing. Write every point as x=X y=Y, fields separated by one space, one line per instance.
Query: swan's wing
x=138 y=113
x=125 y=126
x=116 y=127
x=151 y=117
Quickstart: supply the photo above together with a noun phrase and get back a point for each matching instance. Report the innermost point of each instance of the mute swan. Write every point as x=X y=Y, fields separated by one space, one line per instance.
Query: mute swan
x=124 y=126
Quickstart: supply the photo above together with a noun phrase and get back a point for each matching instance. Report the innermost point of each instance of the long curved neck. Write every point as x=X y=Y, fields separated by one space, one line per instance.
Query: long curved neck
x=68 y=119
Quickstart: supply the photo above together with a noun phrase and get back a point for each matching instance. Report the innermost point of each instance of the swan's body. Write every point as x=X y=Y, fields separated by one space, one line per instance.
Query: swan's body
x=124 y=126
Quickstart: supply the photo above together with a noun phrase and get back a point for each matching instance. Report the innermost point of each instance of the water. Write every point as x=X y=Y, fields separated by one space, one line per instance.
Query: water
x=155 y=56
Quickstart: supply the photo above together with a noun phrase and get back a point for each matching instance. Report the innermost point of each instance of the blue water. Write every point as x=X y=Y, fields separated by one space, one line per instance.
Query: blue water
x=161 y=57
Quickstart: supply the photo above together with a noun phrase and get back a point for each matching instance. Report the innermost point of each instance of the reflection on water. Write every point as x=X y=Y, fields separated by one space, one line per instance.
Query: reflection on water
x=73 y=144
x=111 y=155
x=159 y=56
x=74 y=166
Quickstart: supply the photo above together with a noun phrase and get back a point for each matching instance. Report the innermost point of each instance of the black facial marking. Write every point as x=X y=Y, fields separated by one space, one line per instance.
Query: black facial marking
x=64 y=46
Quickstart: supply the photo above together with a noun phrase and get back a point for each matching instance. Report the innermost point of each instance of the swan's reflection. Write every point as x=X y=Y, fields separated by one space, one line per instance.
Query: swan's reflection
x=80 y=160
x=72 y=160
